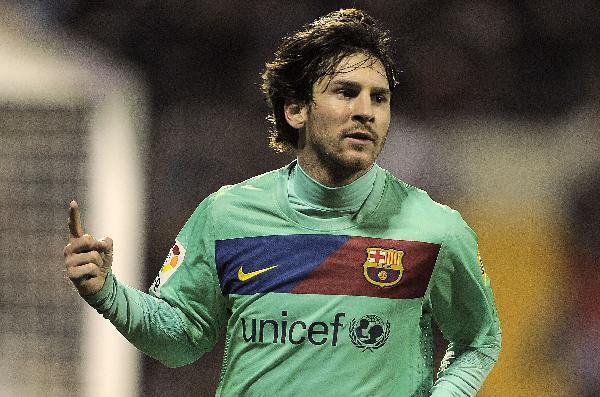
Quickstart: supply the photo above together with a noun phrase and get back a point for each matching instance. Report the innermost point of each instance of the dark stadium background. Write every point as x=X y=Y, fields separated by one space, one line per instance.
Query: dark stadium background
x=530 y=62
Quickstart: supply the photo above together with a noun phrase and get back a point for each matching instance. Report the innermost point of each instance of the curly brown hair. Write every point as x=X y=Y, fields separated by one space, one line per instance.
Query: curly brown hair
x=313 y=52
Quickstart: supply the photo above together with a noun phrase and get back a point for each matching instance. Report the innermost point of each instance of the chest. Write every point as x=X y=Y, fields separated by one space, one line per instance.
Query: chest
x=325 y=264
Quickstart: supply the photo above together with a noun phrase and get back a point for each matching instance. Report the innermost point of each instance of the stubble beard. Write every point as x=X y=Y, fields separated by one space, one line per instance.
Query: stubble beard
x=342 y=164
x=345 y=166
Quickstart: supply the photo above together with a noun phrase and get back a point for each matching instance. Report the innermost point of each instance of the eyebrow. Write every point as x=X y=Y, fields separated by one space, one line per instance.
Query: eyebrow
x=355 y=85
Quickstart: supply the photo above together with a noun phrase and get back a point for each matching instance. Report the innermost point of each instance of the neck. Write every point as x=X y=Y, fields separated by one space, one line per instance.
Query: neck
x=312 y=198
x=331 y=176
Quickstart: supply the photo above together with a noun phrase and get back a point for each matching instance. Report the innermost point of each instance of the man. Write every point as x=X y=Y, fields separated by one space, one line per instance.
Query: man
x=326 y=274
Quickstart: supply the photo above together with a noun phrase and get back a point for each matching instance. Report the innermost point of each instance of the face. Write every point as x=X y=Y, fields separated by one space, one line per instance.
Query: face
x=344 y=129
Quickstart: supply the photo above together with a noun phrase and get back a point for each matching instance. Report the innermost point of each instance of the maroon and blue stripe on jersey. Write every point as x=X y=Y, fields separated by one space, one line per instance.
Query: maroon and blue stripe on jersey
x=325 y=264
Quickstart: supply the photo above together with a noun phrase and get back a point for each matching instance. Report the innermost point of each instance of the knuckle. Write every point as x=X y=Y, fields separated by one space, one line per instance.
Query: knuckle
x=82 y=244
x=95 y=257
x=80 y=273
x=69 y=272
x=87 y=282
x=74 y=246
x=88 y=269
x=69 y=261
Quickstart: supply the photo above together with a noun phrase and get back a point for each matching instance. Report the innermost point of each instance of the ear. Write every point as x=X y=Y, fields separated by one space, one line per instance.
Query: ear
x=295 y=114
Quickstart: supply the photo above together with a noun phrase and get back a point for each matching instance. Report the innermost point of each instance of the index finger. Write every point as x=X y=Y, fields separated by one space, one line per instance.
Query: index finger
x=75 y=220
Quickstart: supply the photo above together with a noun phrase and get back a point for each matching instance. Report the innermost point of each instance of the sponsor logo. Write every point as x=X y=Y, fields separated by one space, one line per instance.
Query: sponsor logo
x=247 y=276
x=295 y=332
x=171 y=263
x=482 y=269
x=369 y=332
x=383 y=267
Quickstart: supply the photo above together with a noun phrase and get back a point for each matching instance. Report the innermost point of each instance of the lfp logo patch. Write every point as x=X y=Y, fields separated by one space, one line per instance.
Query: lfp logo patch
x=171 y=263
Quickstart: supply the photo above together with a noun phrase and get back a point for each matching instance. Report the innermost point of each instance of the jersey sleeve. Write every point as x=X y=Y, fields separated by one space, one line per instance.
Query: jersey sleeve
x=463 y=306
x=184 y=312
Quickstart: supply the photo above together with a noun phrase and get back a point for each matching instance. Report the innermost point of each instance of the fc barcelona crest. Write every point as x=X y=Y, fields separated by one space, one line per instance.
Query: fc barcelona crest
x=383 y=267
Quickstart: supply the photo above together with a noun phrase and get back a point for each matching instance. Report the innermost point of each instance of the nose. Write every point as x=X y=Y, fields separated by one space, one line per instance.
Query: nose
x=363 y=110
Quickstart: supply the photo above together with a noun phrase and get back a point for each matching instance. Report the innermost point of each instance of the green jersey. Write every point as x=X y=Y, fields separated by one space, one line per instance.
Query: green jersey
x=330 y=305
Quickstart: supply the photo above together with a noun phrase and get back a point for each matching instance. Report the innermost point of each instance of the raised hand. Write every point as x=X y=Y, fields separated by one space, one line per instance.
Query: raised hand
x=87 y=260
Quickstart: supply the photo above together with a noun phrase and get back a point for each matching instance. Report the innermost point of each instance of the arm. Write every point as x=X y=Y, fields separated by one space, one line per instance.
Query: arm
x=149 y=323
x=463 y=306
x=176 y=326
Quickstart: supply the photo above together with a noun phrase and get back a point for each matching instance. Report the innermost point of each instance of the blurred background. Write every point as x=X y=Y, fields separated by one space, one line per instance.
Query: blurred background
x=141 y=109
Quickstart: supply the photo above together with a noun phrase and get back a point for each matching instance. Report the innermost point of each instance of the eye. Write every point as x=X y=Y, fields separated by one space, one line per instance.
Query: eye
x=380 y=98
x=347 y=93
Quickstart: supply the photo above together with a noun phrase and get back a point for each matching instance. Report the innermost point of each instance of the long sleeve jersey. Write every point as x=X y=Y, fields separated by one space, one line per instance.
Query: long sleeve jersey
x=334 y=305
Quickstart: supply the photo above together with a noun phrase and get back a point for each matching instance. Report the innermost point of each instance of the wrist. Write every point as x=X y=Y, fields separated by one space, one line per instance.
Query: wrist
x=99 y=298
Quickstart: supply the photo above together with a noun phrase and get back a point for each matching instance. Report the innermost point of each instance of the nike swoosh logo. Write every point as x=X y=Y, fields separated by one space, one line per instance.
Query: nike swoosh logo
x=247 y=276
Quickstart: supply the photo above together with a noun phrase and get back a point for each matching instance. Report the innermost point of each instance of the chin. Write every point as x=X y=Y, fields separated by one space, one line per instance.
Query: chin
x=356 y=163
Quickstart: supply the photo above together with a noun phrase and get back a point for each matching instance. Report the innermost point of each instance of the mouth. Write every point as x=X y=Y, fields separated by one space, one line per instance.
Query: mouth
x=360 y=136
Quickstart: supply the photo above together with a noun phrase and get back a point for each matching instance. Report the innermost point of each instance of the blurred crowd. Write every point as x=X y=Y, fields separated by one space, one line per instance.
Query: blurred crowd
x=526 y=60
x=533 y=58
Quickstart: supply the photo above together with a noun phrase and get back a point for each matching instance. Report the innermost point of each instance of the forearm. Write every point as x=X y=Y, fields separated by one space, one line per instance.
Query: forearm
x=464 y=369
x=149 y=323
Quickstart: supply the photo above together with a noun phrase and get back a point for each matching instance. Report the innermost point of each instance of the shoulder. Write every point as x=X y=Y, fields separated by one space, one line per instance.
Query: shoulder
x=258 y=189
x=415 y=203
x=255 y=188
x=232 y=204
x=407 y=196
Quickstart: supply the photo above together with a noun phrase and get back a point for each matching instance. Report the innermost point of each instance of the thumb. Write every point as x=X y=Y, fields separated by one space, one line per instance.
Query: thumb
x=105 y=246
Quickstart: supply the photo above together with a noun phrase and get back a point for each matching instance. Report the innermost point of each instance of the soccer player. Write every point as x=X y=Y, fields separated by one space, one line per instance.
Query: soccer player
x=326 y=274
